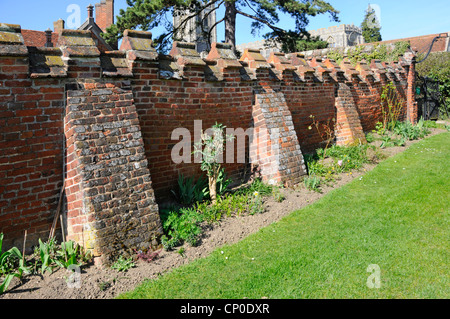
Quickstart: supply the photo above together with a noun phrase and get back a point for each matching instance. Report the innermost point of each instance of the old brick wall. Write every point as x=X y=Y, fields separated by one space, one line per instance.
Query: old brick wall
x=108 y=186
x=58 y=103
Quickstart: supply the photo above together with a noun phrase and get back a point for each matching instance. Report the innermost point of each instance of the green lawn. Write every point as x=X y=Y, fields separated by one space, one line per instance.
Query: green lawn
x=396 y=217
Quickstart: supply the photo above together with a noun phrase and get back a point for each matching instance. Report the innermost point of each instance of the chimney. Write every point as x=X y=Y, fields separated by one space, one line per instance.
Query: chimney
x=59 y=25
x=90 y=9
x=48 y=36
x=104 y=14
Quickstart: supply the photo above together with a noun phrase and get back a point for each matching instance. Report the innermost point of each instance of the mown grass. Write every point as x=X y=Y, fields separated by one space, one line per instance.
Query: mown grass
x=396 y=216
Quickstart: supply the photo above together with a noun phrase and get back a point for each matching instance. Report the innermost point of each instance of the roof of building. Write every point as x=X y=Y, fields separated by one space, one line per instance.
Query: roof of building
x=34 y=38
x=422 y=43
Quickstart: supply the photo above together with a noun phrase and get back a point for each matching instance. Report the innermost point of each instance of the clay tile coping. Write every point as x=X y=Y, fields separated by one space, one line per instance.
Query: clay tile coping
x=69 y=32
x=5 y=27
x=115 y=54
x=186 y=54
x=137 y=34
x=223 y=55
x=280 y=61
x=11 y=34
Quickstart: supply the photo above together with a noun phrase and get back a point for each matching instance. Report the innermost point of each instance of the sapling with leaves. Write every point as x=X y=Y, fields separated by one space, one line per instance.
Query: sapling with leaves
x=210 y=148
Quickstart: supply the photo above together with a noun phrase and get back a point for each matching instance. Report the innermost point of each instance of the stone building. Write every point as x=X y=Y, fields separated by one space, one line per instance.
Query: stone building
x=195 y=29
x=337 y=36
x=340 y=36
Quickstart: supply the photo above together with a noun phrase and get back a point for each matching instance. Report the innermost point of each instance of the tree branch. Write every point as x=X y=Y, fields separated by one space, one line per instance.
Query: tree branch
x=274 y=28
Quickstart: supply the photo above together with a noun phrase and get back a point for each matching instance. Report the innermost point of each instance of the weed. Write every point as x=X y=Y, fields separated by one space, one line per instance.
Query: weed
x=148 y=256
x=277 y=195
x=181 y=252
x=256 y=204
x=313 y=182
x=123 y=265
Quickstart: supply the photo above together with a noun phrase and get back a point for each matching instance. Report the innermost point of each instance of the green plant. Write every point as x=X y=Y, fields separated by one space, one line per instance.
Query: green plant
x=313 y=182
x=181 y=252
x=370 y=138
x=210 y=148
x=391 y=106
x=382 y=52
x=258 y=185
x=222 y=182
x=169 y=243
x=122 y=264
x=326 y=131
x=190 y=192
x=46 y=254
x=182 y=225
x=277 y=195
x=69 y=254
x=12 y=265
x=256 y=204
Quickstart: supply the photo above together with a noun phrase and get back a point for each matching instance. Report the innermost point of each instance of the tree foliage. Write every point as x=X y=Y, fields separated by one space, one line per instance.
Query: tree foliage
x=150 y=14
x=437 y=66
x=371 y=26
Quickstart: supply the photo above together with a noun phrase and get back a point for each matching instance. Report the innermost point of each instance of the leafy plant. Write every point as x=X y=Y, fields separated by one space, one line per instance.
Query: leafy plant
x=210 y=148
x=256 y=204
x=277 y=195
x=122 y=264
x=46 y=253
x=69 y=254
x=181 y=252
x=313 y=182
x=258 y=185
x=182 y=225
x=148 y=256
x=222 y=182
x=190 y=192
x=370 y=138
x=12 y=265
x=325 y=130
x=391 y=106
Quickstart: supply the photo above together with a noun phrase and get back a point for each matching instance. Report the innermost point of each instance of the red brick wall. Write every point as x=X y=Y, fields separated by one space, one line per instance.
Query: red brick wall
x=31 y=140
x=165 y=105
x=168 y=93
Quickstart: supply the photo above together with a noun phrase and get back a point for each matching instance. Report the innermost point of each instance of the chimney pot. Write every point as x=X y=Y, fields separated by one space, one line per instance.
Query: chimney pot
x=90 y=11
x=48 y=35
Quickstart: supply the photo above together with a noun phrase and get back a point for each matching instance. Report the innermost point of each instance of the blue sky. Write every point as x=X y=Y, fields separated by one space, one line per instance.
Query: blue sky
x=399 y=18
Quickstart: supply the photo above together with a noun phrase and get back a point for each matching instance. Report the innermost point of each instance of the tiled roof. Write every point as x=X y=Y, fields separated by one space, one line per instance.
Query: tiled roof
x=422 y=43
x=37 y=38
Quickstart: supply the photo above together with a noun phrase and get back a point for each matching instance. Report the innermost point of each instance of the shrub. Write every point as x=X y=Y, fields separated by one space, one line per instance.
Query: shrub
x=182 y=225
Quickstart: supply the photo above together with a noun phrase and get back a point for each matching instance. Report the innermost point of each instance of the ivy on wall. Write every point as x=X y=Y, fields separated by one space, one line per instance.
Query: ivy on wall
x=383 y=52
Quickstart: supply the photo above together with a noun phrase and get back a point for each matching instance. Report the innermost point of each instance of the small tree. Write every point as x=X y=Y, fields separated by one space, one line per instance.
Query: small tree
x=371 y=26
x=210 y=148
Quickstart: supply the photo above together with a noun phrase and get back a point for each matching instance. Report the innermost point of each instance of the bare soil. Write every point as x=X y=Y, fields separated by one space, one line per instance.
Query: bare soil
x=107 y=283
